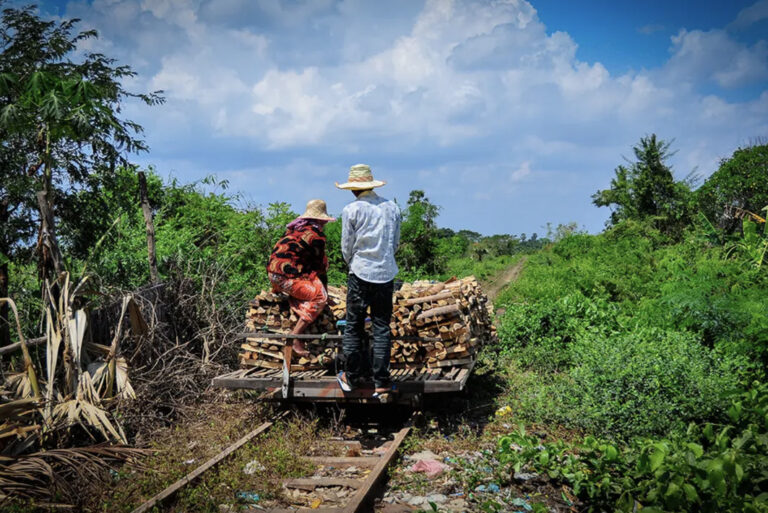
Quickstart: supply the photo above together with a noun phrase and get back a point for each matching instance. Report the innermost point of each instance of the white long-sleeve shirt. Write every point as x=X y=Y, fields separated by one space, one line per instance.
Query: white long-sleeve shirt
x=370 y=234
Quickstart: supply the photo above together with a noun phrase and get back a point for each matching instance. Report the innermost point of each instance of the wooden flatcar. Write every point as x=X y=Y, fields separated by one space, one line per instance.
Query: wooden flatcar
x=321 y=385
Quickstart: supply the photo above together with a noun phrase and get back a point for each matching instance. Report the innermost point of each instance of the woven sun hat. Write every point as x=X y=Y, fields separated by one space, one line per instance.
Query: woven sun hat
x=316 y=209
x=360 y=178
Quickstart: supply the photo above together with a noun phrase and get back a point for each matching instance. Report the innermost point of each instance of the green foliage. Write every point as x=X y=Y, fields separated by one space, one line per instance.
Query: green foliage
x=105 y=196
x=60 y=121
x=196 y=231
x=753 y=246
x=647 y=190
x=709 y=468
x=648 y=382
x=642 y=335
x=740 y=181
x=417 y=255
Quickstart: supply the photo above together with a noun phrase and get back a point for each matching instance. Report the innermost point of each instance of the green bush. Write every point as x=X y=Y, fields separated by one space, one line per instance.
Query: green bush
x=708 y=468
x=647 y=383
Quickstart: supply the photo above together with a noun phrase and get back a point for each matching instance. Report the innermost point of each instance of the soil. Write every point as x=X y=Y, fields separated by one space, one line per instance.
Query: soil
x=495 y=286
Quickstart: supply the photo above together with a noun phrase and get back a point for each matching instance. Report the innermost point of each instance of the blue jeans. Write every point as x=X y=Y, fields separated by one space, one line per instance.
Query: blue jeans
x=360 y=295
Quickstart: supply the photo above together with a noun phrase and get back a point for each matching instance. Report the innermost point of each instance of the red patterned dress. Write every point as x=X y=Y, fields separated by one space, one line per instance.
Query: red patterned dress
x=298 y=267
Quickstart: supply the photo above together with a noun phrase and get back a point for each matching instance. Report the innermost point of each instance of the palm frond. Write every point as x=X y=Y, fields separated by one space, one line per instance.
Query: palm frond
x=42 y=475
x=84 y=410
x=20 y=385
x=53 y=334
x=100 y=375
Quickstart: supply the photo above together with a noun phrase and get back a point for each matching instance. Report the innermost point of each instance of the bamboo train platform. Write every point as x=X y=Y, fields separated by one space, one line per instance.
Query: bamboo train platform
x=321 y=385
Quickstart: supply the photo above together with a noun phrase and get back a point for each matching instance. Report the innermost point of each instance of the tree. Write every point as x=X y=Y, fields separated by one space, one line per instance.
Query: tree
x=647 y=190
x=59 y=121
x=418 y=235
x=741 y=182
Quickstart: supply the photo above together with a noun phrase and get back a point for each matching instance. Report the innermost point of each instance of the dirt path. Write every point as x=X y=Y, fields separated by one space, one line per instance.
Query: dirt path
x=493 y=287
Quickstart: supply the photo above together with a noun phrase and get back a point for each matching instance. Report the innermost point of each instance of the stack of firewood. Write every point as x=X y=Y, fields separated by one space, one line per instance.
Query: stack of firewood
x=456 y=315
x=272 y=312
x=456 y=312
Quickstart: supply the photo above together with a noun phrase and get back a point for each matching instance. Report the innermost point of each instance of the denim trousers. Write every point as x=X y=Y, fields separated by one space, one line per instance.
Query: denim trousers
x=360 y=295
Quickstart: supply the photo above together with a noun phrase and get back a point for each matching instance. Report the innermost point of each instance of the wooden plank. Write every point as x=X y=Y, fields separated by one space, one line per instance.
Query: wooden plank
x=358 y=461
x=172 y=489
x=347 y=444
x=321 y=336
x=291 y=510
x=359 y=499
x=454 y=309
x=306 y=483
x=448 y=294
x=440 y=386
x=465 y=377
x=271 y=365
x=450 y=363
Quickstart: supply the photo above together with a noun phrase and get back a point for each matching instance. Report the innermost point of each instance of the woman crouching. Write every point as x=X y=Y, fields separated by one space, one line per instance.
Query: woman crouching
x=298 y=267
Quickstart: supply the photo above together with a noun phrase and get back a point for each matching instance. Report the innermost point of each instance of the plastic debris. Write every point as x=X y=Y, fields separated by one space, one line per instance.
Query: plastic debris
x=503 y=411
x=491 y=488
x=251 y=497
x=252 y=467
x=521 y=503
x=432 y=468
x=437 y=498
x=525 y=476
x=417 y=501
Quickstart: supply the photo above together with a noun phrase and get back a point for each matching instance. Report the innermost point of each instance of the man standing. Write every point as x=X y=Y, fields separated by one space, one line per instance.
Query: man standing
x=370 y=234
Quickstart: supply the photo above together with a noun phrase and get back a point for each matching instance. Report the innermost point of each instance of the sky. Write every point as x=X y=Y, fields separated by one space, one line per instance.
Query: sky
x=509 y=114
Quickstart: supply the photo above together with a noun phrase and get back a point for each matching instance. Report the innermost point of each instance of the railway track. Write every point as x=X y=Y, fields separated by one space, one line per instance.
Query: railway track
x=346 y=473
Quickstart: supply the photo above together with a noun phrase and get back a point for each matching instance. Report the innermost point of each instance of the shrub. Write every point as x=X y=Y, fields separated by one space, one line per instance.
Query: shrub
x=648 y=382
x=706 y=469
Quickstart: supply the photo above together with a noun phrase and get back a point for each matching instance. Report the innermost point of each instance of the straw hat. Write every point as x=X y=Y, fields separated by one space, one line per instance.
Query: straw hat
x=360 y=178
x=316 y=209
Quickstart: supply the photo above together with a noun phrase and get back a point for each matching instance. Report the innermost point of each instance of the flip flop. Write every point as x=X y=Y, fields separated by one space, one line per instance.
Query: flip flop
x=345 y=386
x=391 y=390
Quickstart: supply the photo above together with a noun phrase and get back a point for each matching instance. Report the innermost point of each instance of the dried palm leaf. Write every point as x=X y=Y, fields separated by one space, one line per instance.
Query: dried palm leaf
x=43 y=475
x=77 y=324
x=84 y=410
x=53 y=334
x=111 y=363
x=20 y=385
x=13 y=409
x=29 y=368
x=99 y=372
x=17 y=424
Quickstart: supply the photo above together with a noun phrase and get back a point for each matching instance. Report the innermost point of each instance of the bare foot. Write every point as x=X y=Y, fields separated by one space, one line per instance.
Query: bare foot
x=299 y=349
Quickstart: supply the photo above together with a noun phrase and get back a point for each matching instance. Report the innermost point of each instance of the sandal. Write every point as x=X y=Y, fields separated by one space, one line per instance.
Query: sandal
x=341 y=377
x=384 y=390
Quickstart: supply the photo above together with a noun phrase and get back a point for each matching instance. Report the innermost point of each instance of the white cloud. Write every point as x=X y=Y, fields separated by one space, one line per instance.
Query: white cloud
x=700 y=56
x=750 y=15
x=465 y=91
x=521 y=172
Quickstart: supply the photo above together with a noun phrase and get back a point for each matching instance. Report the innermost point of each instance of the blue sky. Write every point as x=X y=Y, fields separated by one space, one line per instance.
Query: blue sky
x=508 y=114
